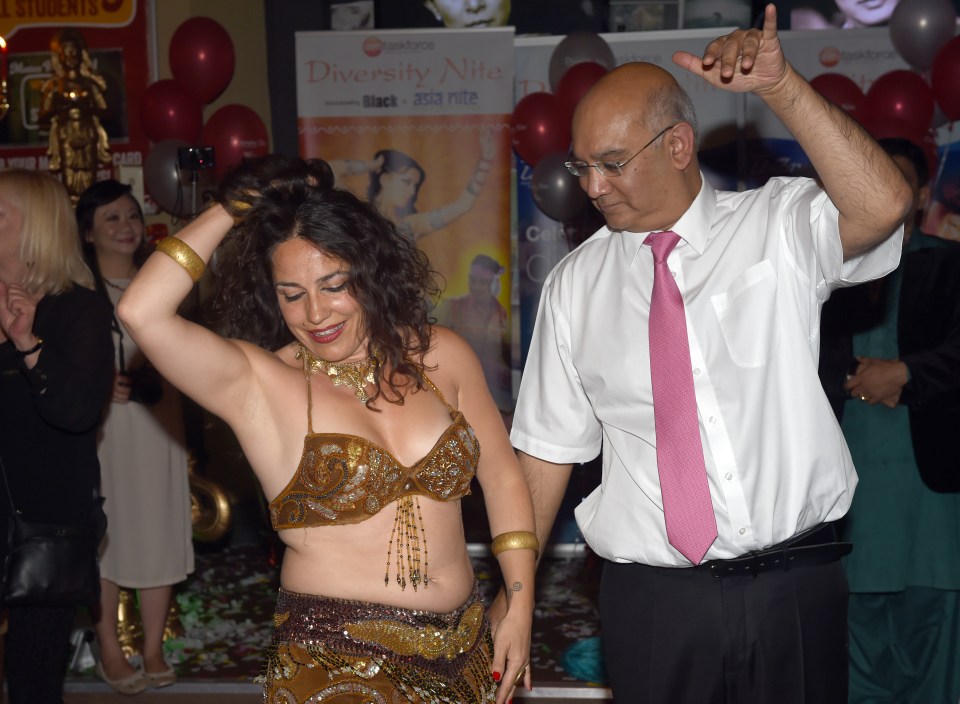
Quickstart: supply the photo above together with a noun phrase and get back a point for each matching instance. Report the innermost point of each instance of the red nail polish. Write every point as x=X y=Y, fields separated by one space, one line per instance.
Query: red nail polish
x=496 y=676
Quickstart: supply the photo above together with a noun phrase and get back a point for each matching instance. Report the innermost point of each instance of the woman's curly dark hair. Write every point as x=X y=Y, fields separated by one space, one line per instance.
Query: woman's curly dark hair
x=276 y=198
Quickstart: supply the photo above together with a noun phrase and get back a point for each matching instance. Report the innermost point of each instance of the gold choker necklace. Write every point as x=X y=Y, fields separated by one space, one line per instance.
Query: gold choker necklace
x=356 y=375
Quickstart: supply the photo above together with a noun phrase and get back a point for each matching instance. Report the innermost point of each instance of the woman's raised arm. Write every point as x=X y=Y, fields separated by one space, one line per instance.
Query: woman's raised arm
x=215 y=372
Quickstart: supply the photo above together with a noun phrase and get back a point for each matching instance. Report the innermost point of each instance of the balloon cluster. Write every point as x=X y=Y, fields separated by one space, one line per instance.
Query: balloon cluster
x=201 y=60
x=540 y=125
x=903 y=103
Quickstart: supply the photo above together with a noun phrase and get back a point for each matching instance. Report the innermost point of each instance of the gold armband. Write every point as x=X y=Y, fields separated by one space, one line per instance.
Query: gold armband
x=516 y=540
x=183 y=254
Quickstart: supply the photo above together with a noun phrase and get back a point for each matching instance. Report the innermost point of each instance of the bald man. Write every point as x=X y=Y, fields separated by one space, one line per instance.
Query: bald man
x=755 y=611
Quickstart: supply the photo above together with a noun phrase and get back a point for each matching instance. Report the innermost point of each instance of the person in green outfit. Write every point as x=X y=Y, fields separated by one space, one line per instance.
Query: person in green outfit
x=890 y=362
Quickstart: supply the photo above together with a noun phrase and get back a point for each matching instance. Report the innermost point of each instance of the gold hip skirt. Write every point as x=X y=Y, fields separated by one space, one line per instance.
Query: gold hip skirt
x=356 y=652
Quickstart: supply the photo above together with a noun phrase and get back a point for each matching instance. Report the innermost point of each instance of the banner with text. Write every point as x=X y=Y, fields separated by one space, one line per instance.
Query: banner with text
x=417 y=122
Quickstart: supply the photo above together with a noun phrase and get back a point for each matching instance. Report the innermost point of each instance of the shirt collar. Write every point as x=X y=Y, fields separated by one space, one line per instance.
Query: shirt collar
x=693 y=226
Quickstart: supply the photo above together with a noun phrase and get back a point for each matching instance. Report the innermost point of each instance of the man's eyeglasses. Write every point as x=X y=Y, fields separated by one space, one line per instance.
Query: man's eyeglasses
x=610 y=169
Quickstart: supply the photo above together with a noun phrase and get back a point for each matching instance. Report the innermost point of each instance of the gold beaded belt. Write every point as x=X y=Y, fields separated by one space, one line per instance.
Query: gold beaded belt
x=366 y=627
x=324 y=648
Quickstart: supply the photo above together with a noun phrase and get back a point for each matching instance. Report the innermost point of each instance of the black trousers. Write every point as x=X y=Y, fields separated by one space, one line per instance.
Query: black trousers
x=684 y=636
x=37 y=649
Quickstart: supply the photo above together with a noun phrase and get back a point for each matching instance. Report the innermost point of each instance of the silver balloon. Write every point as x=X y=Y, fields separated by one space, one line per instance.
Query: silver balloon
x=920 y=28
x=576 y=48
x=172 y=188
x=555 y=190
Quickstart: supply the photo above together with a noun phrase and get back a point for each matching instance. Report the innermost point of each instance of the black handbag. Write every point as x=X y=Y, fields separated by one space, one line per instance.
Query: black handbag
x=50 y=564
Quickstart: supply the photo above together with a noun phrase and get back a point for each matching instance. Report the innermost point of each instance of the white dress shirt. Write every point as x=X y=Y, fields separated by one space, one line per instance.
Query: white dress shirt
x=754 y=269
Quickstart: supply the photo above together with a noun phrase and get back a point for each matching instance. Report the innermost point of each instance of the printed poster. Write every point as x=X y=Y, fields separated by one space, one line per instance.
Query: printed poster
x=417 y=122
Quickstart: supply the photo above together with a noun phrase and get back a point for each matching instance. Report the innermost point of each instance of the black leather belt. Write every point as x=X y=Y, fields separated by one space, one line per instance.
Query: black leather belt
x=812 y=547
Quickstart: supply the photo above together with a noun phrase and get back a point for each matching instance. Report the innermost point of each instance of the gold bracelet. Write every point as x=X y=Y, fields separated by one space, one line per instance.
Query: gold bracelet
x=515 y=540
x=183 y=254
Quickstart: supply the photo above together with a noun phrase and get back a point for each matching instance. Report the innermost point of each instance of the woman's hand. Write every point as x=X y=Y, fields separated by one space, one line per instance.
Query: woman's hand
x=121 y=388
x=511 y=653
x=17 y=309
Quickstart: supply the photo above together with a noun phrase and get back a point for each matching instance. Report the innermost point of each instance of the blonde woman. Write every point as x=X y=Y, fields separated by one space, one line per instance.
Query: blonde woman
x=56 y=369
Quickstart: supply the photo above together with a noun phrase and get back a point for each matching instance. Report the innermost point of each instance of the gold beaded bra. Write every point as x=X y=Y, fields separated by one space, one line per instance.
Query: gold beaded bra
x=344 y=479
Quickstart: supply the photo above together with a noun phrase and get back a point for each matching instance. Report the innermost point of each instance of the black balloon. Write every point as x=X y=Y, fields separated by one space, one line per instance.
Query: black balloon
x=920 y=28
x=555 y=190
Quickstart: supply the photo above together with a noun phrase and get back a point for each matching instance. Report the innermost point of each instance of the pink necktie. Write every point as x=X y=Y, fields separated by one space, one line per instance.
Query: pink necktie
x=687 y=509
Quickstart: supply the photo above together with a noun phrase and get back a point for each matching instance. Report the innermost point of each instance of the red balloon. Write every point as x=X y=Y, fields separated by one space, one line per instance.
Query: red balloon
x=575 y=83
x=168 y=111
x=842 y=92
x=945 y=79
x=539 y=126
x=202 y=57
x=235 y=132
x=880 y=127
x=903 y=95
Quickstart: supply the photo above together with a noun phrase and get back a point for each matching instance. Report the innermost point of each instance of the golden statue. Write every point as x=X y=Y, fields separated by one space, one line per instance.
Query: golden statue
x=72 y=104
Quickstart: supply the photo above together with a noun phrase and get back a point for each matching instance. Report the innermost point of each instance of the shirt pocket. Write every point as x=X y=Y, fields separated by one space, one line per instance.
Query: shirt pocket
x=747 y=314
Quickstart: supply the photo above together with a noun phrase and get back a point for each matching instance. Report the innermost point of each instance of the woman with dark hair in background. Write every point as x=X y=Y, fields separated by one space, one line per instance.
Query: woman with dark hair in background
x=364 y=424
x=55 y=373
x=143 y=458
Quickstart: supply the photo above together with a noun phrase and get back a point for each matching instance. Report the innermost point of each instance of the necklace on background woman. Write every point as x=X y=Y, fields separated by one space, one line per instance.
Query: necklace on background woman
x=131 y=272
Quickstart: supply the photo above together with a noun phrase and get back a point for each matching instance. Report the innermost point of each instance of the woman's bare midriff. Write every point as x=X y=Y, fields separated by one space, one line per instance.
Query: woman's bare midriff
x=349 y=561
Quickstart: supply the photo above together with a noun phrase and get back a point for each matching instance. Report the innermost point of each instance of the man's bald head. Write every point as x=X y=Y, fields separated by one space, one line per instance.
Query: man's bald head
x=642 y=93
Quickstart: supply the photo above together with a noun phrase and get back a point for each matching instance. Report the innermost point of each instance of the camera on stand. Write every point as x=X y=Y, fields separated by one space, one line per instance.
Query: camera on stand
x=195 y=158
